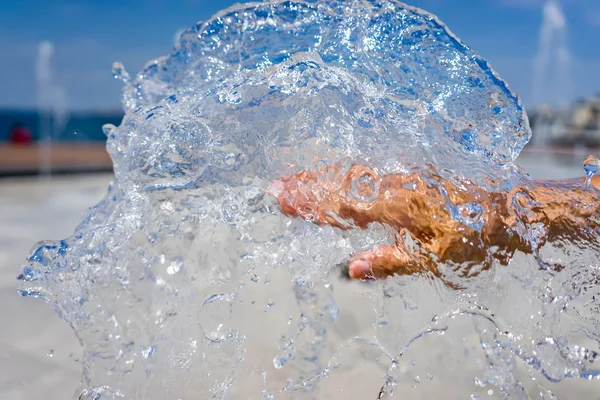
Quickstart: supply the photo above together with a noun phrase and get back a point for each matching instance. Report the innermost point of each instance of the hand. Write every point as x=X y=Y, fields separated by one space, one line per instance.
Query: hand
x=412 y=204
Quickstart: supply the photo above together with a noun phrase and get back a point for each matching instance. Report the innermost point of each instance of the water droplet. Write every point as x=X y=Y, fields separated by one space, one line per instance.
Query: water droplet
x=254 y=278
x=417 y=379
x=364 y=189
x=215 y=317
x=270 y=303
x=120 y=73
x=429 y=377
x=590 y=166
x=50 y=353
x=490 y=392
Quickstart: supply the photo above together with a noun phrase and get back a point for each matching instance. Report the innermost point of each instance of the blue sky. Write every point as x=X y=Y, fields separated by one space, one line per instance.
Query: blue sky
x=89 y=35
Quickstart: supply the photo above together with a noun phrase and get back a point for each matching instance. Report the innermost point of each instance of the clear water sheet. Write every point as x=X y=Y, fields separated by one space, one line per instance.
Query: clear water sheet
x=187 y=282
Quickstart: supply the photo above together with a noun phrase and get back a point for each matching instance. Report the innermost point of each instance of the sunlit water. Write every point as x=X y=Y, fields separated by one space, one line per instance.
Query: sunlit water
x=186 y=281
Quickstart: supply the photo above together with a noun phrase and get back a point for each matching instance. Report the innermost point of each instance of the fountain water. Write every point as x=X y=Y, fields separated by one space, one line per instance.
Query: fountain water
x=52 y=105
x=552 y=74
x=44 y=82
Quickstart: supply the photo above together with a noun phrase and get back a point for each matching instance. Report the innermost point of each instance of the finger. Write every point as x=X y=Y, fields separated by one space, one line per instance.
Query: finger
x=383 y=262
x=309 y=196
x=296 y=195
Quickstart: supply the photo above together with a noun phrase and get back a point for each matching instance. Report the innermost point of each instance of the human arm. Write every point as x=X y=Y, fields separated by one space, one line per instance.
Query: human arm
x=433 y=217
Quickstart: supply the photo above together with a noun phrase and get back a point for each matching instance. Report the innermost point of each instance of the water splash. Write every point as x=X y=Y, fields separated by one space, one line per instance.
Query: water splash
x=187 y=281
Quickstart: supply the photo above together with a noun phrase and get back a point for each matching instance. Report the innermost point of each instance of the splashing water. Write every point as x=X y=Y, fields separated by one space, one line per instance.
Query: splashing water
x=187 y=282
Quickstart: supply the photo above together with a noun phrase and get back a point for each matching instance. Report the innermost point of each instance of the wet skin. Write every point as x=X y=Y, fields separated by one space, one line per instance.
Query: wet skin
x=415 y=207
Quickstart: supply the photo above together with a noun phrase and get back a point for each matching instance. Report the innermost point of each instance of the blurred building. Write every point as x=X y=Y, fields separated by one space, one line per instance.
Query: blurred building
x=576 y=125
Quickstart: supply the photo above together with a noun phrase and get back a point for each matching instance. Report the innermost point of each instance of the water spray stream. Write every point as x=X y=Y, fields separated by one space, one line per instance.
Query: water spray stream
x=44 y=86
x=52 y=105
x=552 y=68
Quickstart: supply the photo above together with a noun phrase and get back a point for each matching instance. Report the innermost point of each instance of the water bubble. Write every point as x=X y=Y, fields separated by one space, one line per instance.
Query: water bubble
x=470 y=214
x=215 y=317
x=364 y=189
x=227 y=160
x=50 y=353
x=490 y=392
x=590 y=166
x=230 y=210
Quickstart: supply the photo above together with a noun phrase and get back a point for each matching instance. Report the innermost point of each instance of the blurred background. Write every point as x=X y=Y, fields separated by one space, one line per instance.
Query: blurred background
x=57 y=91
x=57 y=84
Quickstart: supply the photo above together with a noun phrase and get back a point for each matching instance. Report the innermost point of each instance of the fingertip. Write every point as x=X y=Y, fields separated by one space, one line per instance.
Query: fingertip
x=276 y=188
x=360 y=269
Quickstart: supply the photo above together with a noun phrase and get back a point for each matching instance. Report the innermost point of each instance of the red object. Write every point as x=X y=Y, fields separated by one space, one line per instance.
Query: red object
x=20 y=135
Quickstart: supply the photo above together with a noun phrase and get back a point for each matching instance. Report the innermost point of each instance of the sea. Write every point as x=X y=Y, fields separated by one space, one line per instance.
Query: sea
x=77 y=126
